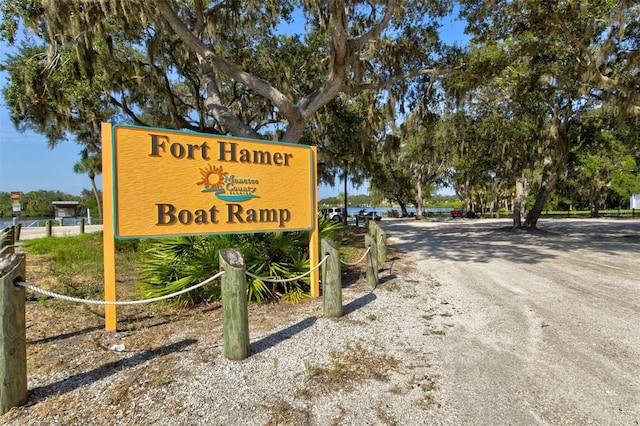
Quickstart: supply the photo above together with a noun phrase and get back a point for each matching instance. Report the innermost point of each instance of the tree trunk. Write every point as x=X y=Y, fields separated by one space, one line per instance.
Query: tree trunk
x=495 y=202
x=547 y=185
x=520 y=201
x=541 y=198
x=94 y=188
x=552 y=169
x=403 y=209
x=344 y=218
x=419 y=200
x=594 y=197
x=549 y=181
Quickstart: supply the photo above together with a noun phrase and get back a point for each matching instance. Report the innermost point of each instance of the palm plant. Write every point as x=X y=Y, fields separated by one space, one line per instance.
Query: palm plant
x=91 y=164
x=176 y=263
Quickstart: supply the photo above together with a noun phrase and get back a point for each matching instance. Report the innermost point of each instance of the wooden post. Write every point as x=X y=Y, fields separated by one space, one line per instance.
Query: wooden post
x=13 y=333
x=16 y=232
x=7 y=241
x=81 y=226
x=381 y=242
x=331 y=280
x=235 y=314
x=372 y=260
x=48 y=228
x=108 y=231
x=371 y=228
x=314 y=237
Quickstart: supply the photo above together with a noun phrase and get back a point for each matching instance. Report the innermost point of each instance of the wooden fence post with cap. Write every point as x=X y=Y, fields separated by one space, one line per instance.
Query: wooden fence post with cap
x=16 y=232
x=7 y=240
x=331 y=280
x=235 y=313
x=372 y=260
x=47 y=228
x=381 y=242
x=13 y=333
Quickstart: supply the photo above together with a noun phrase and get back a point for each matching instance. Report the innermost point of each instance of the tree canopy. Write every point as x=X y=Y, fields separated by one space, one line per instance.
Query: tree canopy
x=219 y=67
x=496 y=117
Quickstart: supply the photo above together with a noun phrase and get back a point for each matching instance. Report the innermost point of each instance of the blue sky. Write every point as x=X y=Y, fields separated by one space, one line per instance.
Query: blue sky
x=27 y=164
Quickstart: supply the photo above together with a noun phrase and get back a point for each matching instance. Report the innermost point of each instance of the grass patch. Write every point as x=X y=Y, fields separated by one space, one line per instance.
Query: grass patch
x=74 y=265
x=69 y=251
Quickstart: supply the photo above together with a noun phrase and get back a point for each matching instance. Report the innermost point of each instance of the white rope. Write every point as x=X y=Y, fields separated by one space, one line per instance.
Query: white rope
x=286 y=280
x=361 y=259
x=104 y=302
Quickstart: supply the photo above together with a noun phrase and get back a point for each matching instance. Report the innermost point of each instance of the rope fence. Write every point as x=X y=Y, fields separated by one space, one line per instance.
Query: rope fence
x=52 y=294
x=288 y=280
x=233 y=285
x=357 y=261
x=159 y=298
x=117 y=303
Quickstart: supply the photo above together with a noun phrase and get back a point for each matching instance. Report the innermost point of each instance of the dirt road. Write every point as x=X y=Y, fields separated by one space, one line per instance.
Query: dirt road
x=545 y=326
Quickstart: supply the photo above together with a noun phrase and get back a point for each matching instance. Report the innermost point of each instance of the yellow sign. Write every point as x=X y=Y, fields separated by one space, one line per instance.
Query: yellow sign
x=169 y=183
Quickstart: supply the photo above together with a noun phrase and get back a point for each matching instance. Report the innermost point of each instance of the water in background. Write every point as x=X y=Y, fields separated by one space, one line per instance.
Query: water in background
x=352 y=211
x=31 y=222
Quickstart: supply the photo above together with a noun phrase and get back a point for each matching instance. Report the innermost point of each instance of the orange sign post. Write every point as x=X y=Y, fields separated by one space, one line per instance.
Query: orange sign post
x=169 y=183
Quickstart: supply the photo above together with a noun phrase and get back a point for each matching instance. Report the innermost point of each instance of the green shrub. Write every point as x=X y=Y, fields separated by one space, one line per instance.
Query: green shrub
x=173 y=264
x=392 y=213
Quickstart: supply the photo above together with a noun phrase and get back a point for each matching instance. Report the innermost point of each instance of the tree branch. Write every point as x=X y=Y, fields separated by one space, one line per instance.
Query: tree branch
x=357 y=88
x=261 y=87
x=375 y=32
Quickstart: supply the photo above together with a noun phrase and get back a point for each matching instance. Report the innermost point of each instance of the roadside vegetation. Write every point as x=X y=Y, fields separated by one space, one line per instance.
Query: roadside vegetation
x=73 y=266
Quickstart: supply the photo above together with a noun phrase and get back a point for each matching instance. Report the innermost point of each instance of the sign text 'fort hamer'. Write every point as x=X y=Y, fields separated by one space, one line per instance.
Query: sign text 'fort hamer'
x=169 y=183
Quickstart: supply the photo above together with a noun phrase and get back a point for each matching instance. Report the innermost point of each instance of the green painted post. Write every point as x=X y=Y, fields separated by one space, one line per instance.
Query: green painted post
x=372 y=261
x=235 y=314
x=13 y=333
x=48 y=228
x=331 y=280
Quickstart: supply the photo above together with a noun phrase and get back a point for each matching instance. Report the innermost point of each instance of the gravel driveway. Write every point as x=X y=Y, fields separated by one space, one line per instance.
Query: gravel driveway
x=474 y=324
x=545 y=325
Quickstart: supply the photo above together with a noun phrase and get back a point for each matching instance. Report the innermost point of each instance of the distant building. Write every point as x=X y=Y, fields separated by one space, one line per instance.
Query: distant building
x=635 y=201
x=65 y=209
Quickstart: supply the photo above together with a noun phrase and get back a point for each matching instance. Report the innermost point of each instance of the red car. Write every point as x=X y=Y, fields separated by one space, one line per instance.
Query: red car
x=459 y=213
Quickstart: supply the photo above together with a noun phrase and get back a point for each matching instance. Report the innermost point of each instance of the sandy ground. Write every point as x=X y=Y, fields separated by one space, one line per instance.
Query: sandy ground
x=546 y=324
x=472 y=324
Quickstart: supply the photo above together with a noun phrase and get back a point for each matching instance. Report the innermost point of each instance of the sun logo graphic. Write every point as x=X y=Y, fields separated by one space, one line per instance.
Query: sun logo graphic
x=212 y=178
x=226 y=186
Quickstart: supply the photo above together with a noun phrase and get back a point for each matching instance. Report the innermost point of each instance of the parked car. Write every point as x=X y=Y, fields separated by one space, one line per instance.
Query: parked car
x=461 y=213
x=372 y=216
x=335 y=214
x=455 y=213
x=363 y=214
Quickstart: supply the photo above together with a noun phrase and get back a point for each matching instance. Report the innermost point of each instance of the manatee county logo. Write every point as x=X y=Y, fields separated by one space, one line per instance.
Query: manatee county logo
x=226 y=186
